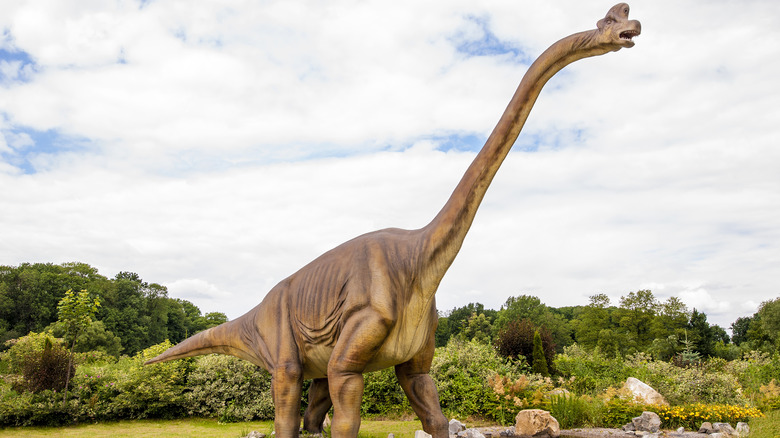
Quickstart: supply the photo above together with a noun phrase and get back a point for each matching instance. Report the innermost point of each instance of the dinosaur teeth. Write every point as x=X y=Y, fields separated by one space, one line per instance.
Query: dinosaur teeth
x=627 y=35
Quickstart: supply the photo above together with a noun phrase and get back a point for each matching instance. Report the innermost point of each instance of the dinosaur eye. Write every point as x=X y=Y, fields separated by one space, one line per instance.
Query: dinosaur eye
x=608 y=21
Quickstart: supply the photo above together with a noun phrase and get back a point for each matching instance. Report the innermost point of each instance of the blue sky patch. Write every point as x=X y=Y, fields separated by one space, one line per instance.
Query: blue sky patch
x=489 y=44
x=22 y=66
x=28 y=144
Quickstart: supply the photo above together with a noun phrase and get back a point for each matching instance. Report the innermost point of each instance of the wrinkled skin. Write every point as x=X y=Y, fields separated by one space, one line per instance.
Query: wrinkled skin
x=369 y=303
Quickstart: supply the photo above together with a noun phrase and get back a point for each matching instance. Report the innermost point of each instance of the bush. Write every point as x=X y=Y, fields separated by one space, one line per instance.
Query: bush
x=230 y=389
x=572 y=411
x=462 y=370
x=46 y=369
x=383 y=396
x=690 y=416
x=590 y=372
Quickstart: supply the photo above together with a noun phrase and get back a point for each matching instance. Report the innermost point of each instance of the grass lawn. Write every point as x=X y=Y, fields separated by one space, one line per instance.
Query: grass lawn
x=766 y=427
x=193 y=427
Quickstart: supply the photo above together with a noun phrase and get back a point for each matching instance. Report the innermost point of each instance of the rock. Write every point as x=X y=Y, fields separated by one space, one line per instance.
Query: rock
x=743 y=429
x=474 y=433
x=680 y=430
x=255 y=434
x=643 y=393
x=706 y=427
x=507 y=432
x=718 y=435
x=647 y=422
x=326 y=422
x=628 y=427
x=536 y=423
x=724 y=428
x=422 y=434
x=391 y=435
x=456 y=426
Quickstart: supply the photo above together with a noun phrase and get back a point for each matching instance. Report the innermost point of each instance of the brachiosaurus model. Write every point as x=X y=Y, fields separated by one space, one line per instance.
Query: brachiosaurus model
x=369 y=304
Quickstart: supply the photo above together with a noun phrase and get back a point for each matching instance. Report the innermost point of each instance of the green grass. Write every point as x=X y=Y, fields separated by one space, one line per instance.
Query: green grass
x=767 y=426
x=202 y=428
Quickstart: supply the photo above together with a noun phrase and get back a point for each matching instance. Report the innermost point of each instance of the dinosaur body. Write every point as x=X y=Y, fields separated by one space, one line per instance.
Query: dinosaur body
x=369 y=303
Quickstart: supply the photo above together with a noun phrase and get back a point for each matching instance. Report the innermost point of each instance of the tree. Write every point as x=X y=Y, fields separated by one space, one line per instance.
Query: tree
x=700 y=334
x=539 y=364
x=516 y=340
x=769 y=320
x=635 y=316
x=592 y=319
x=739 y=329
x=478 y=328
x=75 y=313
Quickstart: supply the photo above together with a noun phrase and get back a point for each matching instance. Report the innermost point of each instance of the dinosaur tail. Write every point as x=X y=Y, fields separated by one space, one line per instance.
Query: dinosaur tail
x=225 y=338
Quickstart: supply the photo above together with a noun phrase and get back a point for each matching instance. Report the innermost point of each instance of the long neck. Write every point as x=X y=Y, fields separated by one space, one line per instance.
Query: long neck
x=445 y=234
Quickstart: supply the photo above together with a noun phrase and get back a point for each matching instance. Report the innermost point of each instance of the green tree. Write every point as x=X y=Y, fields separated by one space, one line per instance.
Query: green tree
x=479 y=329
x=700 y=334
x=768 y=317
x=539 y=364
x=592 y=319
x=75 y=313
x=635 y=316
x=739 y=329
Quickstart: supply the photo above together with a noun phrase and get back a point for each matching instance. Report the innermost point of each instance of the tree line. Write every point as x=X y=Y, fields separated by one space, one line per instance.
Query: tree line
x=639 y=322
x=133 y=314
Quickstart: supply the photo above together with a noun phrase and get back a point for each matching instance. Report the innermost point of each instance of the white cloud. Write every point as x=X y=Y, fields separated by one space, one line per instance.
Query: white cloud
x=655 y=166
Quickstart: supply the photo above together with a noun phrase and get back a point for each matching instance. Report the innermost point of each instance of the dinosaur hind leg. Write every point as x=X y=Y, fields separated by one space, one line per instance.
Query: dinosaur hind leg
x=421 y=391
x=319 y=405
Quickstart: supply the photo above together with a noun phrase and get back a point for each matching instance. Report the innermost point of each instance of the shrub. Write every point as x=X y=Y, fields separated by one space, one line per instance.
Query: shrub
x=517 y=340
x=692 y=384
x=230 y=389
x=462 y=370
x=590 y=372
x=46 y=369
x=572 y=411
x=690 y=416
x=382 y=395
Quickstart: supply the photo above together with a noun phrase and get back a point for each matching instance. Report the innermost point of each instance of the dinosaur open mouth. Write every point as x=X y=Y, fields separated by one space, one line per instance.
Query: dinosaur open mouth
x=628 y=34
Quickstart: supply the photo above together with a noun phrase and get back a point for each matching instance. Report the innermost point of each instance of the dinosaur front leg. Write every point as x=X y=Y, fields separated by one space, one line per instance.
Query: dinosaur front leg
x=359 y=341
x=319 y=405
x=421 y=391
x=286 y=387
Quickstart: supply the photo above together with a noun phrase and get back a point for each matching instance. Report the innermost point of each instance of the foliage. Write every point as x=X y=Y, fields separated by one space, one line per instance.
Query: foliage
x=590 y=372
x=517 y=340
x=229 y=388
x=75 y=313
x=539 y=363
x=47 y=369
x=574 y=411
x=462 y=370
x=139 y=313
x=690 y=416
x=382 y=395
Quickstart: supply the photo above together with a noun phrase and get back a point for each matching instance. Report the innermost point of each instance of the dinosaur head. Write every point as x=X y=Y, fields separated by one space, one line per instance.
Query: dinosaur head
x=615 y=30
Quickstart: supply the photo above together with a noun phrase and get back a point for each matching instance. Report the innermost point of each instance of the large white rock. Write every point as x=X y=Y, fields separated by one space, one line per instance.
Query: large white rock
x=536 y=423
x=643 y=393
x=456 y=426
x=422 y=434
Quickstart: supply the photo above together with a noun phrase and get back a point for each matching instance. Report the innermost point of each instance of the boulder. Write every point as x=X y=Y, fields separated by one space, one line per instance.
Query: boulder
x=422 y=434
x=647 y=422
x=743 y=429
x=706 y=427
x=456 y=426
x=536 y=423
x=643 y=393
x=474 y=433
x=724 y=428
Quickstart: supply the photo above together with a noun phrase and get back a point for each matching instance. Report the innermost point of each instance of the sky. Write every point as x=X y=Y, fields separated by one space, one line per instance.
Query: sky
x=217 y=147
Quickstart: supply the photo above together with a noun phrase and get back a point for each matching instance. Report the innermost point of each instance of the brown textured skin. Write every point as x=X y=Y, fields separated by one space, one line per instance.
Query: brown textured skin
x=369 y=303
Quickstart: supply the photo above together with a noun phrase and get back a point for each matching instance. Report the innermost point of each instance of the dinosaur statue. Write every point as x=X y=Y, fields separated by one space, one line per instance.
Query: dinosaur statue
x=369 y=303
